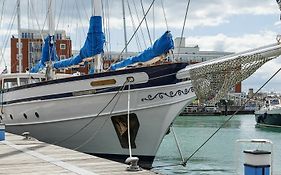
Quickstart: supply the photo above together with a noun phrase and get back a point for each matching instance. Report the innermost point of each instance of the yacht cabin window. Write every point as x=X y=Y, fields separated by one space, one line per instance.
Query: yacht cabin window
x=24 y=81
x=9 y=83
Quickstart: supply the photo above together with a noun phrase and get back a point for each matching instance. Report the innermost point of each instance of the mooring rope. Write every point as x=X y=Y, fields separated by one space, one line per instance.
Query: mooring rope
x=93 y=119
x=92 y=137
x=222 y=125
x=128 y=121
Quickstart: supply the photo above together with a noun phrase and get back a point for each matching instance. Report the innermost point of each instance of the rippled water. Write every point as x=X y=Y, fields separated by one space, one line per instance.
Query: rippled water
x=222 y=155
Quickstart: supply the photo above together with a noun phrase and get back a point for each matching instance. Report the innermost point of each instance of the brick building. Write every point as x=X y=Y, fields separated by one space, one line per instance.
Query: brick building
x=31 y=43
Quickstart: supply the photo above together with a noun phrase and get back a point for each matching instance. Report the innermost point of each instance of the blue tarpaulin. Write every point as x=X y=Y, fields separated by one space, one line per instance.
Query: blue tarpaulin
x=47 y=49
x=92 y=46
x=160 y=46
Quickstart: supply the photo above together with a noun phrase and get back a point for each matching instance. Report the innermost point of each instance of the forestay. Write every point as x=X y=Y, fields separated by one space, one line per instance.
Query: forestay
x=212 y=79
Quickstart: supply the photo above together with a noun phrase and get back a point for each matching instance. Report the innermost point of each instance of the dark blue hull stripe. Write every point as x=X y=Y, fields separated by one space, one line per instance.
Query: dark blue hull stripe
x=153 y=72
x=63 y=95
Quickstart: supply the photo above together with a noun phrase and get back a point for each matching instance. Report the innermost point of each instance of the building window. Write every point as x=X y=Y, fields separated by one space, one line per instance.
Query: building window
x=62 y=46
x=62 y=57
x=18 y=45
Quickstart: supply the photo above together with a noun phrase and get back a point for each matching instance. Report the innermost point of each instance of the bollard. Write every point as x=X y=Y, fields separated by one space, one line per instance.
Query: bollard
x=257 y=162
x=2 y=131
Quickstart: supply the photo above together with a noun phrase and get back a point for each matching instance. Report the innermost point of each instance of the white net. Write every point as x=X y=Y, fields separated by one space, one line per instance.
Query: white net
x=212 y=81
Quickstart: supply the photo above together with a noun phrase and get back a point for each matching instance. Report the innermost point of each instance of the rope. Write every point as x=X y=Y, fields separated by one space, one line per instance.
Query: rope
x=128 y=122
x=164 y=13
x=134 y=25
x=80 y=19
x=183 y=27
x=177 y=143
x=98 y=130
x=136 y=10
x=108 y=26
x=133 y=33
x=146 y=24
x=222 y=125
x=6 y=40
x=37 y=22
x=2 y=13
x=93 y=119
x=61 y=6
x=84 y=9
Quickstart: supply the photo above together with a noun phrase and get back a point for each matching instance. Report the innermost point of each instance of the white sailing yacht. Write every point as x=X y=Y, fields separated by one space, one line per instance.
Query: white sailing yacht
x=89 y=113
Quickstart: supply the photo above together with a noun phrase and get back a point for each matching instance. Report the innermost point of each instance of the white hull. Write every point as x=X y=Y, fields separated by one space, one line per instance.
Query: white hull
x=60 y=118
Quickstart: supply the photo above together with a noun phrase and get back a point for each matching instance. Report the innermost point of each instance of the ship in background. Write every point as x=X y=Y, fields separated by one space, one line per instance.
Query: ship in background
x=269 y=115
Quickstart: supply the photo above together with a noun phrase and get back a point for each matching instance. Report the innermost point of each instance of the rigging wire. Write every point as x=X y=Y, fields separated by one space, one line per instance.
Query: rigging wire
x=165 y=17
x=105 y=121
x=6 y=40
x=108 y=27
x=45 y=21
x=80 y=19
x=60 y=12
x=146 y=24
x=222 y=125
x=28 y=16
x=84 y=9
x=153 y=22
x=2 y=13
x=93 y=119
x=36 y=19
x=104 y=13
x=119 y=56
x=134 y=26
x=183 y=27
x=177 y=143
x=136 y=10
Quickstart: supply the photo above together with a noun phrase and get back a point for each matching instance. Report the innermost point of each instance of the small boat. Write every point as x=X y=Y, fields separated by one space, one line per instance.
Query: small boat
x=269 y=114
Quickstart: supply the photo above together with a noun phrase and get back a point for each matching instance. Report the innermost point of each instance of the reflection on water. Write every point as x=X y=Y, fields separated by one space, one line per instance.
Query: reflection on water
x=219 y=155
x=268 y=129
x=205 y=121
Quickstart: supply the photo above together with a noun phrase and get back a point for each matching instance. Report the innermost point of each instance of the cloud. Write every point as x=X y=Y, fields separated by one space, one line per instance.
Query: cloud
x=222 y=42
x=262 y=75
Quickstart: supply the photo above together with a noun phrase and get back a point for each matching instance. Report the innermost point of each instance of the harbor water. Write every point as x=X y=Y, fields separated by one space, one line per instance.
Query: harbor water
x=222 y=155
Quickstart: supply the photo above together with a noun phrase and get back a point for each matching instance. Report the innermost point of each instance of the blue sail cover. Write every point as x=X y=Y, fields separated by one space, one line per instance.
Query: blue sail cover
x=92 y=46
x=47 y=49
x=160 y=46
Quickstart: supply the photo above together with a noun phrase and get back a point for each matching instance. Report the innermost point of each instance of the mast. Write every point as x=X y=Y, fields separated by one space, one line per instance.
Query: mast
x=124 y=25
x=19 y=38
x=51 y=24
x=97 y=11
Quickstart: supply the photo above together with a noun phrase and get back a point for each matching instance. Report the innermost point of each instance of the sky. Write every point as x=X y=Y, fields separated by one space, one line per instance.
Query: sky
x=221 y=25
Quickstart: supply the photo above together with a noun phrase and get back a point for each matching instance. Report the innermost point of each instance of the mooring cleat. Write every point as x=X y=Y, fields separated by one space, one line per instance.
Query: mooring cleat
x=133 y=164
x=26 y=135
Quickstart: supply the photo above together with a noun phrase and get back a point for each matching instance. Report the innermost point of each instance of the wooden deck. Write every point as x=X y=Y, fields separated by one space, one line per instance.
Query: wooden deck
x=21 y=156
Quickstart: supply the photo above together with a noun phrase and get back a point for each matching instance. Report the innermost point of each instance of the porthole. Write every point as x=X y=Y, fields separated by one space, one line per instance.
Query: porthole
x=25 y=116
x=11 y=116
x=36 y=114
